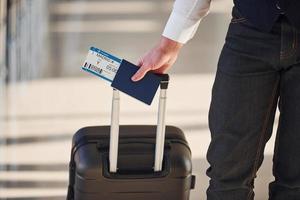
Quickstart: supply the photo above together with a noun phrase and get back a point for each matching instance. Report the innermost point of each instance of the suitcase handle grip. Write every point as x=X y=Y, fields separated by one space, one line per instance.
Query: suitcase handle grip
x=160 y=131
x=164 y=83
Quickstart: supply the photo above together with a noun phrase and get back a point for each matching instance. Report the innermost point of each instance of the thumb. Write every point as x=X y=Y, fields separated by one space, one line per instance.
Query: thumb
x=140 y=73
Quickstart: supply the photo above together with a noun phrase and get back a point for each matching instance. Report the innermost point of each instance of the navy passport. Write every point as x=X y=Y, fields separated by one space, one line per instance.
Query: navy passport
x=143 y=90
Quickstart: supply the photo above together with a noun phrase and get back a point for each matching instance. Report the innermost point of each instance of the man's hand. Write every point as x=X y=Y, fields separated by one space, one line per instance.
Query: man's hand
x=159 y=59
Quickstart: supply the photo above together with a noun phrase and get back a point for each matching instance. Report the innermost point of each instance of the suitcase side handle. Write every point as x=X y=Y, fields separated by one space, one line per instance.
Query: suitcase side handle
x=160 y=131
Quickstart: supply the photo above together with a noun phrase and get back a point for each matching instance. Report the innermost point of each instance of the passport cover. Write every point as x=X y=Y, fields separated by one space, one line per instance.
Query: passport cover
x=143 y=90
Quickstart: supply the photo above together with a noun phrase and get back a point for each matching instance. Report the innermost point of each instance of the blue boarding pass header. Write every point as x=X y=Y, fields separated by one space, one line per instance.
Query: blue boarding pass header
x=106 y=54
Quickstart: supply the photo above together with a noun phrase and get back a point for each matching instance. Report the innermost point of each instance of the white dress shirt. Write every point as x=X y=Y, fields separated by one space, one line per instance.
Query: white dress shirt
x=185 y=18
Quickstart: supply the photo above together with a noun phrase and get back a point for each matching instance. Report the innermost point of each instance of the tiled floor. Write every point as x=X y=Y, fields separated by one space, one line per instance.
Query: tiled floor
x=41 y=116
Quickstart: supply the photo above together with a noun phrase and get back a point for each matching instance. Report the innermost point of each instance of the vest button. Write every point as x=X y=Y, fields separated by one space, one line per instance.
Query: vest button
x=279 y=8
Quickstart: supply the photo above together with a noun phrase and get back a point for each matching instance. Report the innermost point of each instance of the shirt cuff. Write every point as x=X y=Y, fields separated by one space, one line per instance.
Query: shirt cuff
x=179 y=28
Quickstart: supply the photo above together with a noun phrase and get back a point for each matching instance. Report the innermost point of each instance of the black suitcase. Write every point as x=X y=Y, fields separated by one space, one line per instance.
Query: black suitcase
x=105 y=166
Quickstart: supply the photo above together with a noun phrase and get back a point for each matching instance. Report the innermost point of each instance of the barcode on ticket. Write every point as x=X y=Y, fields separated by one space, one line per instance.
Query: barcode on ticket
x=101 y=64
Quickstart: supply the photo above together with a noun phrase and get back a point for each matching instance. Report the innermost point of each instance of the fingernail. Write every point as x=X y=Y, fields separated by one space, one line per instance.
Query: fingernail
x=133 y=78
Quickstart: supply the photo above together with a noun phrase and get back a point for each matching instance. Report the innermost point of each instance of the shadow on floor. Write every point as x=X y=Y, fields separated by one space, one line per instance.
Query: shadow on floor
x=34 y=167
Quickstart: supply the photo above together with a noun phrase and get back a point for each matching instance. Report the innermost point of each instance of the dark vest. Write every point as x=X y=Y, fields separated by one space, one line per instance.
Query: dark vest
x=264 y=13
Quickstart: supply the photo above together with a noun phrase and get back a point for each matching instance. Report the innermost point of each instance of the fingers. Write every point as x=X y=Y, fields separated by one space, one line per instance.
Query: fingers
x=140 y=73
x=144 y=68
x=156 y=60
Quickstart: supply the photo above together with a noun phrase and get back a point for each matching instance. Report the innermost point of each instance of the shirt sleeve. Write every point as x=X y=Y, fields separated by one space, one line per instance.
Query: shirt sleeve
x=185 y=19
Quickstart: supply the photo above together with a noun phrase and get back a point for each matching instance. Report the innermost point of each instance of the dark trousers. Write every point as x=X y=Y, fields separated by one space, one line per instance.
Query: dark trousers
x=256 y=72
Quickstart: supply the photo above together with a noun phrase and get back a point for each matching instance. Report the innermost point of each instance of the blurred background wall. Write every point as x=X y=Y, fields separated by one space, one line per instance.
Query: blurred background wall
x=42 y=47
x=27 y=31
x=49 y=38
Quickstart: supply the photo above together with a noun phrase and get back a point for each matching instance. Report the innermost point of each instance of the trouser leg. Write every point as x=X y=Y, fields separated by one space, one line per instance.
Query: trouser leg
x=286 y=160
x=240 y=119
x=241 y=115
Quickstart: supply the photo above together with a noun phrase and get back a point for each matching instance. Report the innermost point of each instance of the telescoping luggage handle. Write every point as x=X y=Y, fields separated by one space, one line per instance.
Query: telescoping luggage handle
x=160 y=131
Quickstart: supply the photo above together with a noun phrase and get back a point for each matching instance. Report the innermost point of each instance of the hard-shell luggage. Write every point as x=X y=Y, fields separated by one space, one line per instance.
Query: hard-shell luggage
x=134 y=162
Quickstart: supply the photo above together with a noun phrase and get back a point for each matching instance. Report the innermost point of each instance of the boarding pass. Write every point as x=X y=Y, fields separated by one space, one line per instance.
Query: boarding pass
x=102 y=64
